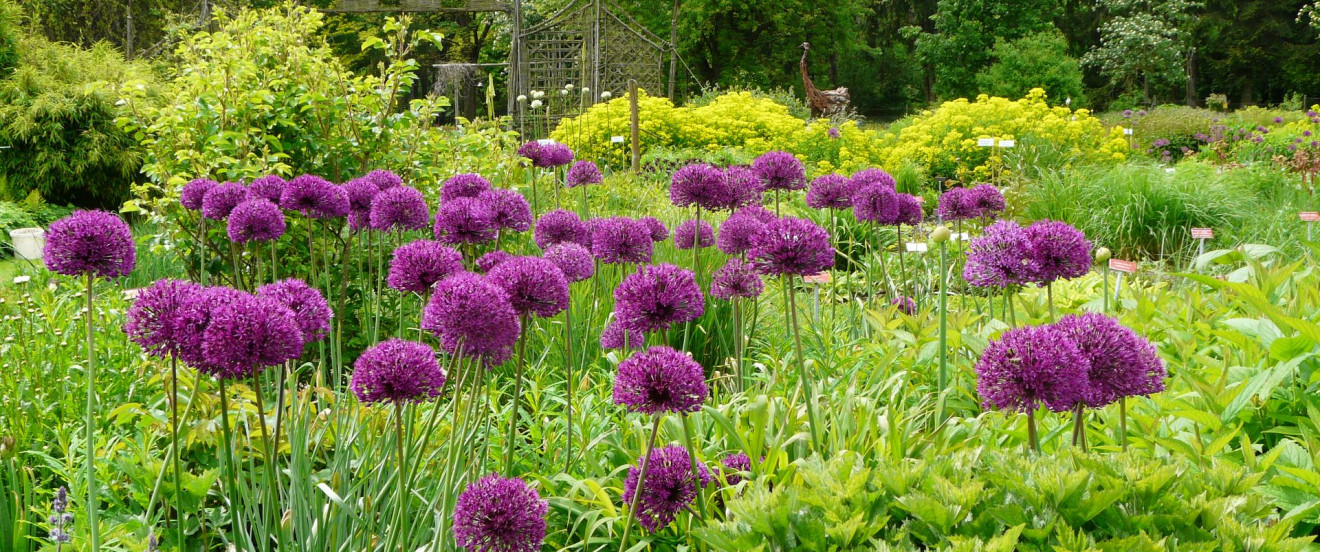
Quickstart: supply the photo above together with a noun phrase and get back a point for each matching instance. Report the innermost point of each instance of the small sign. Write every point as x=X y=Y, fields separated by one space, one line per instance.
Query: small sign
x=917 y=247
x=1127 y=132
x=1309 y=216
x=985 y=142
x=920 y=199
x=1203 y=233
x=963 y=236
x=1007 y=143
x=1129 y=267
x=545 y=142
x=817 y=278
x=616 y=139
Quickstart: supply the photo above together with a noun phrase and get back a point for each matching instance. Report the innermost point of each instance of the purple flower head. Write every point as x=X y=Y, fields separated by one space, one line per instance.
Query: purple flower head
x=496 y=514
x=396 y=371
x=875 y=202
x=909 y=210
x=830 y=191
x=659 y=232
x=833 y=132
x=383 y=179
x=986 y=200
x=615 y=337
x=1000 y=257
x=905 y=305
x=791 y=246
x=1141 y=113
x=269 y=188
x=155 y=321
x=554 y=155
x=1056 y=250
x=399 y=208
x=194 y=317
x=221 y=199
x=780 y=170
x=417 y=266
x=670 y=486
x=535 y=285
x=1127 y=113
x=618 y=240
x=1029 y=366
x=194 y=192
x=510 y=209
x=560 y=226
x=93 y=243
x=866 y=177
x=1278 y=119
x=1122 y=363
x=584 y=173
x=660 y=380
x=736 y=279
x=573 y=260
x=745 y=187
x=734 y=463
x=464 y=220
x=701 y=185
x=248 y=334
x=315 y=197
x=310 y=310
x=493 y=259
x=687 y=232
x=463 y=185
x=474 y=316
x=360 y=193
x=255 y=219
x=657 y=296
x=957 y=204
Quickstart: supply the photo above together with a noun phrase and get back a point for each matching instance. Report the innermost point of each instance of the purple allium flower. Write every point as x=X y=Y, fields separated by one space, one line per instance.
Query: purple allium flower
x=560 y=226
x=360 y=193
x=957 y=204
x=999 y=258
x=618 y=240
x=222 y=198
x=463 y=185
x=1127 y=113
x=615 y=337
x=987 y=200
x=255 y=219
x=670 y=486
x=1122 y=363
x=584 y=173
x=833 y=132
x=659 y=232
x=554 y=155
x=745 y=187
x=1056 y=250
x=736 y=279
x=909 y=210
x=269 y=188
x=474 y=316
x=93 y=243
x=496 y=514
x=535 y=285
x=905 y=305
x=310 y=309
x=701 y=185
x=493 y=259
x=875 y=202
x=155 y=321
x=399 y=208
x=1159 y=143
x=573 y=260
x=737 y=232
x=397 y=371
x=791 y=246
x=1032 y=365
x=510 y=209
x=734 y=463
x=780 y=170
x=194 y=317
x=248 y=334
x=660 y=380
x=866 y=177
x=1141 y=113
x=657 y=296
x=194 y=192
x=830 y=191
x=418 y=265
x=464 y=220
x=687 y=232
x=532 y=152
x=383 y=179
x=1278 y=119
x=315 y=197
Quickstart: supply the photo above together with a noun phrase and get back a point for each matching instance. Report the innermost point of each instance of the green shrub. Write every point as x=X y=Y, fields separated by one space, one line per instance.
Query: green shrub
x=1039 y=60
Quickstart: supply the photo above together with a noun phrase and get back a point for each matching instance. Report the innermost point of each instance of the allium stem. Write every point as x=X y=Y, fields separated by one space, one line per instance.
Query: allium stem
x=1049 y=293
x=902 y=263
x=401 y=491
x=568 y=386
x=1105 y=298
x=738 y=343
x=1122 y=422
x=272 y=484
x=227 y=462
x=1079 y=426
x=641 y=484
x=1031 y=430
x=93 y=501
x=804 y=378
x=517 y=394
x=174 y=446
x=944 y=316
x=696 y=474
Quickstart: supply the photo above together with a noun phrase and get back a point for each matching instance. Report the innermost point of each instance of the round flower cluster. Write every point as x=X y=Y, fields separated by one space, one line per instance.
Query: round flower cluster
x=780 y=170
x=830 y=191
x=701 y=185
x=315 y=197
x=660 y=380
x=90 y=243
x=418 y=265
x=269 y=188
x=572 y=259
x=497 y=514
x=399 y=208
x=155 y=320
x=221 y=199
x=256 y=219
x=738 y=230
x=463 y=185
x=310 y=309
x=472 y=316
x=509 y=209
x=656 y=297
x=583 y=173
x=396 y=371
x=791 y=246
x=560 y=226
x=690 y=231
x=736 y=279
x=194 y=192
x=535 y=285
x=670 y=486
x=464 y=220
x=620 y=240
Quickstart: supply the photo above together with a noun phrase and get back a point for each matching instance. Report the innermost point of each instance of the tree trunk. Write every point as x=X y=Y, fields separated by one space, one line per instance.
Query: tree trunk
x=1192 y=96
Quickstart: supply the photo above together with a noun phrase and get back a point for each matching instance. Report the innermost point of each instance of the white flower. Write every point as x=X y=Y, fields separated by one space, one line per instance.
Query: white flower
x=585 y=90
x=605 y=95
x=563 y=92
x=522 y=98
x=568 y=86
x=537 y=94
x=536 y=104
x=21 y=279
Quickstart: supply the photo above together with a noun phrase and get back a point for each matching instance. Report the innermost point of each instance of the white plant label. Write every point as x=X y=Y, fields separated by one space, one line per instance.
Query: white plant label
x=917 y=247
x=985 y=142
x=616 y=139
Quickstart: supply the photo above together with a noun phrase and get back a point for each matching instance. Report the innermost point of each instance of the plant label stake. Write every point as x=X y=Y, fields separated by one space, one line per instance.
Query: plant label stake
x=616 y=139
x=917 y=247
x=1202 y=234
x=1309 y=217
x=1121 y=267
x=816 y=280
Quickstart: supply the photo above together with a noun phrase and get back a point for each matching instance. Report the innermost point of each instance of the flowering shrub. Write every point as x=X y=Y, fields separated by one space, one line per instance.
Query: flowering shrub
x=944 y=141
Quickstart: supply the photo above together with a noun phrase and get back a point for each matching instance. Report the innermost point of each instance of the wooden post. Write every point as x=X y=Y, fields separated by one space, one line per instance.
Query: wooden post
x=515 y=84
x=635 y=118
x=128 y=31
x=673 y=49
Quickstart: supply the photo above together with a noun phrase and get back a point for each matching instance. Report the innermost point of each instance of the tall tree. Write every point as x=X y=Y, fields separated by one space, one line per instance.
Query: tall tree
x=1144 y=44
x=965 y=33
